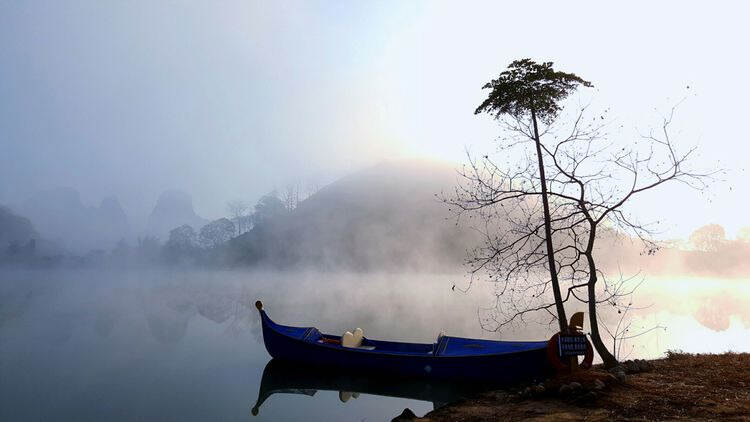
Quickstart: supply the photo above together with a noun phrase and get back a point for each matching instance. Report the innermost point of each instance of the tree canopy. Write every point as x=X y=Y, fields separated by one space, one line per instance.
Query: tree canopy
x=529 y=87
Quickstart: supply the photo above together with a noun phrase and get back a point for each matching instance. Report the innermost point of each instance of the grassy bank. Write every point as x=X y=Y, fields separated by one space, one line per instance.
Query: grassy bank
x=680 y=386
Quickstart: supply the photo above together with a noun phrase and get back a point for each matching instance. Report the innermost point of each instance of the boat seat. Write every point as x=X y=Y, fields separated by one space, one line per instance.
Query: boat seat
x=311 y=334
x=435 y=345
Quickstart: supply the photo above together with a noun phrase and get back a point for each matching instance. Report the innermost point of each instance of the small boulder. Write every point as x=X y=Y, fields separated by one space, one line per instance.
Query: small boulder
x=645 y=366
x=565 y=389
x=599 y=385
x=620 y=375
x=538 y=389
x=524 y=393
x=617 y=368
x=588 y=397
x=575 y=385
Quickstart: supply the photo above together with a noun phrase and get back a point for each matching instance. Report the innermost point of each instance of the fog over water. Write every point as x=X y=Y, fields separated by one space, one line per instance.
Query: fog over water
x=186 y=345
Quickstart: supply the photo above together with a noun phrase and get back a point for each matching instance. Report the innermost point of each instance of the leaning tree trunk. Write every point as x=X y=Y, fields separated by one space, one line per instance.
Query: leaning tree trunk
x=548 y=232
x=596 y=338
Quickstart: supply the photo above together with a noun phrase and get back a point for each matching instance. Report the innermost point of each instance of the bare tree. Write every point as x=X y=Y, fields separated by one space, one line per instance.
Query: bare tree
x=589 y=180
x=528 y=92
x=238 y=211
x=623 y=331
x=296 y=192
x=290 y=196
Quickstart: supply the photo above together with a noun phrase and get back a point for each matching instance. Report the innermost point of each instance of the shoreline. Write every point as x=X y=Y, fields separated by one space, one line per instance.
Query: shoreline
x=679 y=386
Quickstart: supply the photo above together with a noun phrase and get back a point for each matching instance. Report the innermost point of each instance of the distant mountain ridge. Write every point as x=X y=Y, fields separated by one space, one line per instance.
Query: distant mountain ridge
x=60 y=215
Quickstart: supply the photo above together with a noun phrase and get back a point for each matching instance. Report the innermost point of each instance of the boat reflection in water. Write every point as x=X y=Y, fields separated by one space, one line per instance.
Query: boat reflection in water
x=290 y=378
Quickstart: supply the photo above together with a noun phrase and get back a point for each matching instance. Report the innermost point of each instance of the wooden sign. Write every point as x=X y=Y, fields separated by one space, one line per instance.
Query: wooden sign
x=572 y=345
x=562 y=357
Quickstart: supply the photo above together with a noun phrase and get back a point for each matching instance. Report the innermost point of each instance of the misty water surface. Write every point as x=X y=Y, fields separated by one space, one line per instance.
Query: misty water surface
x=177 y=345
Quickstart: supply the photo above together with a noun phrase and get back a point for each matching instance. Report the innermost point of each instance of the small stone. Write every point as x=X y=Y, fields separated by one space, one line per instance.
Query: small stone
x=620 y=376
x=406 y=415
x=616 y=369
x=646 y=366
x=524 y=392
x=565 y=389
x=575 y=385
x=631 y=367
x=538 y=389
x=590 y=396
x=599 y=385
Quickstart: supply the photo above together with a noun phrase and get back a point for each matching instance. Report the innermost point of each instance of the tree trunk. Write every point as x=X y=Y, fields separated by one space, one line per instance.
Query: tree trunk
x=607 y=357
x=548 y=232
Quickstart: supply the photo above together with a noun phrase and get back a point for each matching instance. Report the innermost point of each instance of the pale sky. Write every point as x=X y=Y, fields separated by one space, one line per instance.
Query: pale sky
x=230 y=99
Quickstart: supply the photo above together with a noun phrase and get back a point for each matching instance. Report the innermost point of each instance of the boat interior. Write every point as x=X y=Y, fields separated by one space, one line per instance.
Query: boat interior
x=444 y=346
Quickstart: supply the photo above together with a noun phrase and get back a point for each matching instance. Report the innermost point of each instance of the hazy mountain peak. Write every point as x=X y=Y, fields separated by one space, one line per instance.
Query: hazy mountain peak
x=173 y=208
x=59 y=214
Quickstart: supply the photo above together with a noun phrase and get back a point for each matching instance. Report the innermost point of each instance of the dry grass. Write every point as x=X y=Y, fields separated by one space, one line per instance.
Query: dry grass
x=681 y=387
x=687 y=386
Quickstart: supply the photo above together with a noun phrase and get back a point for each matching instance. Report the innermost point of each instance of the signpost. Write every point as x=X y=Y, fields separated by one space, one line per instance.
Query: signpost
x=564 y=348
x=572 y=345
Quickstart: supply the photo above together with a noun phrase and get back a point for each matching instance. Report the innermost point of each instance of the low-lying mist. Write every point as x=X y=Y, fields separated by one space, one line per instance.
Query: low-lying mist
x=404 y=306
x=386 y=218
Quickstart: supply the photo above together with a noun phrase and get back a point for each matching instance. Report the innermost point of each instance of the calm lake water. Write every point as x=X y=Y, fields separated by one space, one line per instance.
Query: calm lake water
x=158 y=345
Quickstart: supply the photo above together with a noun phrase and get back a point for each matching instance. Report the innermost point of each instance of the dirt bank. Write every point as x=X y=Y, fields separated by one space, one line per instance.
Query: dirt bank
x=680 y=386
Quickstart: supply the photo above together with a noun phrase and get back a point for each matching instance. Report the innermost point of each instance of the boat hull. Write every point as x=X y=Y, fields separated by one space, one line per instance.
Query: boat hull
x=494 y=368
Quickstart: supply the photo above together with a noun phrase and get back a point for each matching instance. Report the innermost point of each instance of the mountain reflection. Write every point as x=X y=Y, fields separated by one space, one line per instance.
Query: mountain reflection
x=13 y=304
x=169 y=309
x=281 y=377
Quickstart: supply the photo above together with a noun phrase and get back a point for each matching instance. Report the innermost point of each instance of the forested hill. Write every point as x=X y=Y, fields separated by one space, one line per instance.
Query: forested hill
x=384 y=218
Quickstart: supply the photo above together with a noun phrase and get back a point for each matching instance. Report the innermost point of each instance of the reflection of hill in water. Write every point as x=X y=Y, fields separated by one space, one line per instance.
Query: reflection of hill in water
x=168 y=310
x=215 y=307
x=14 y=303
x=104 y=321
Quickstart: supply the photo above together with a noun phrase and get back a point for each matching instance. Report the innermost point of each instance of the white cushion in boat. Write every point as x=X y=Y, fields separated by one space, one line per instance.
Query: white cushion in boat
x=350 y=339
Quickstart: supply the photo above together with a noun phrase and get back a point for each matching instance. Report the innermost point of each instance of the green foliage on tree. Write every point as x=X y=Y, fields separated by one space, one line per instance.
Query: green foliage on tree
x=528 y=87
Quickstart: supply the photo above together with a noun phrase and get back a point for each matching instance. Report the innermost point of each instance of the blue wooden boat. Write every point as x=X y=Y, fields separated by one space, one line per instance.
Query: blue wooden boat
x=453 y=358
